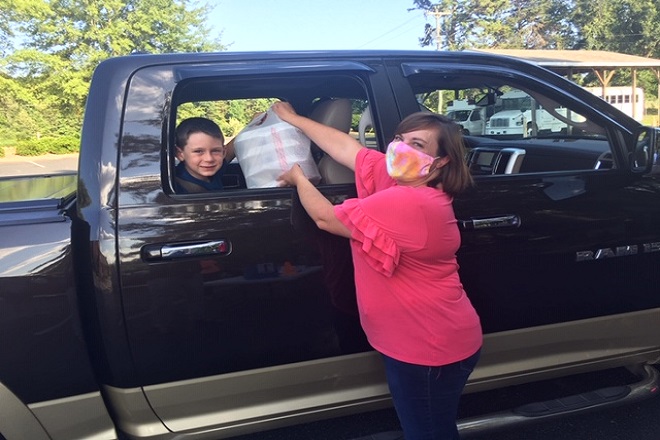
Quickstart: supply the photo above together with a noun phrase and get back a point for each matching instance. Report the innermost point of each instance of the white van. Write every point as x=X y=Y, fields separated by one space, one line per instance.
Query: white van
x=468 y=115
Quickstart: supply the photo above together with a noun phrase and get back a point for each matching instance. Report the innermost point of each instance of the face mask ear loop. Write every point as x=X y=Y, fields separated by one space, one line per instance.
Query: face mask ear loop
x=433 y=163
x=427 y=169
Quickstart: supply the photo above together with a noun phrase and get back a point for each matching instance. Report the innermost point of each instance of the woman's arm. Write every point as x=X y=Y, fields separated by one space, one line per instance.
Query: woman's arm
x=317 y=206
x=339 y=145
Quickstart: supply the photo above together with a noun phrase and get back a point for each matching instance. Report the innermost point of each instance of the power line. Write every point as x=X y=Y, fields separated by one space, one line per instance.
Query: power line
x=389 y=33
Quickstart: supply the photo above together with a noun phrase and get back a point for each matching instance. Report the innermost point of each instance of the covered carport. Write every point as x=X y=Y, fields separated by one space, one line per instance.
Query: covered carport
x=602 y=63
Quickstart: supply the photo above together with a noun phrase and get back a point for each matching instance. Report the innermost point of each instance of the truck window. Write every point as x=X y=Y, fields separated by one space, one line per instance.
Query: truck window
x=232 y=105
x=505 y=121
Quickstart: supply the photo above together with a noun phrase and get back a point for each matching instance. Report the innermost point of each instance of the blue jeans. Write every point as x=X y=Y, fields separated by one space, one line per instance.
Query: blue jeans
x=426 y=398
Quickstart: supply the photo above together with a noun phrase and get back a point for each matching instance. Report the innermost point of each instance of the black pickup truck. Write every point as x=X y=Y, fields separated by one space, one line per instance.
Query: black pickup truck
x=128 y=310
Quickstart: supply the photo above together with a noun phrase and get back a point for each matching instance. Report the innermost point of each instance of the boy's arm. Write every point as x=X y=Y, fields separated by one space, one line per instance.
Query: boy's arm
x=230 y=153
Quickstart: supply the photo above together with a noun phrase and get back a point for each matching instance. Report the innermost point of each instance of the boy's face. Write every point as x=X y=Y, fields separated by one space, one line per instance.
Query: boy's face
x=203 y=155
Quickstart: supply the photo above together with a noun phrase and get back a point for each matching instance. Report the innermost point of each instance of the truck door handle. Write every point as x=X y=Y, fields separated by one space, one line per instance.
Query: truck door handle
x=500 y=221
x=186 y=250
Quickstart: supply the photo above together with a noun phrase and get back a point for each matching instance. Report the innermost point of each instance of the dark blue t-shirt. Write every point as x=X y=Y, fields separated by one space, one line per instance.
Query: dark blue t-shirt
x=214 y=184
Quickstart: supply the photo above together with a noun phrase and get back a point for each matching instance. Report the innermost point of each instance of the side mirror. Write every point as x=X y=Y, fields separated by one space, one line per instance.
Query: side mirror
x=644 y=156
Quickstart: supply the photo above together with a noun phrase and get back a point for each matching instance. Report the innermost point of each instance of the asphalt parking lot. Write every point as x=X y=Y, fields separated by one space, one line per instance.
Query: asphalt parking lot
x=30 y=166
x=635 y=421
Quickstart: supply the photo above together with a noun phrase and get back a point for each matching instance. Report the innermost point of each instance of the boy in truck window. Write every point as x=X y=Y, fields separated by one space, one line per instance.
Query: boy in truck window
x=201 y=150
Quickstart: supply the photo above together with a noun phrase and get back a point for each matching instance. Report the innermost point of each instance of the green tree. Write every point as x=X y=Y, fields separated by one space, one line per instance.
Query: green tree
x=12 y=13
x=626 y=26
x=64 y=40
x=498 y=23
x=81 y=31
x=526 y=25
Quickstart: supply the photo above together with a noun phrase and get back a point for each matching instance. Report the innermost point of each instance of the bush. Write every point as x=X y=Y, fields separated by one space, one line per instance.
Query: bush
x=48 y=145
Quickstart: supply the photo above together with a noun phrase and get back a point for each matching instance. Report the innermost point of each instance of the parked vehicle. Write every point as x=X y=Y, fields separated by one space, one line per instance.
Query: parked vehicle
x=521 y=116
x=621 y=97
x=131 y=311
x=468 y=115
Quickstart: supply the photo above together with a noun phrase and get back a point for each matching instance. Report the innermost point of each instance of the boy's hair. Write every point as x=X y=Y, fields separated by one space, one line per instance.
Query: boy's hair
x=196 y=125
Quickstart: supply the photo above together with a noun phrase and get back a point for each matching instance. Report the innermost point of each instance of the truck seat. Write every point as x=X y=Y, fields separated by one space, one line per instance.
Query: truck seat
x=337 y=113
x=364 y=124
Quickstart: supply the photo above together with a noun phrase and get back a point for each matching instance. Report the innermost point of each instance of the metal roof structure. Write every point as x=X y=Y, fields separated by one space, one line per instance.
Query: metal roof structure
x=568 y=62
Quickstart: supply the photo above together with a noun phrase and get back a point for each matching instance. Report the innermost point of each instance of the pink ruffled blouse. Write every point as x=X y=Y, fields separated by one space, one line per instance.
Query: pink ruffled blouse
x=404 y=240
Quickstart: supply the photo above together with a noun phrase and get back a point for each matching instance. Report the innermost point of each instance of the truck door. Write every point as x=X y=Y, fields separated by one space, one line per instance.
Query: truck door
x=237 y=308
x=549 y=249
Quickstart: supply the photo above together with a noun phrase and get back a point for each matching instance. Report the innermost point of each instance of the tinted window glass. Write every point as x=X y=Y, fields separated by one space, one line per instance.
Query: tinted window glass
x=233 y=104
x=520 y=128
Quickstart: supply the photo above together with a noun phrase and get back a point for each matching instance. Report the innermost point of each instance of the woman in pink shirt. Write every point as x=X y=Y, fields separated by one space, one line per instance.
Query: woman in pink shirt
x=404 y=237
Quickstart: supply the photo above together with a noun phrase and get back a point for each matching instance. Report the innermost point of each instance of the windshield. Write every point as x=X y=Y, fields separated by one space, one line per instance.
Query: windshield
x=516 y=103
x=459 y=115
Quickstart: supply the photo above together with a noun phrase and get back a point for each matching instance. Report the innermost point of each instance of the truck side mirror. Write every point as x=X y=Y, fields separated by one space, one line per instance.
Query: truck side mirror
x=644 y=156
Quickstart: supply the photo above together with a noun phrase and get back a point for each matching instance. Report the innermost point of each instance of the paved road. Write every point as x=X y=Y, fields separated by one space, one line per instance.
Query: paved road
x=28 y=166
x=639 y=421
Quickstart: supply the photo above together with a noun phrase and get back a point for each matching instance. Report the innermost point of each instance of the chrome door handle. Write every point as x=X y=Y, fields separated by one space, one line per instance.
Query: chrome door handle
x=501 y=221
x=186 y=250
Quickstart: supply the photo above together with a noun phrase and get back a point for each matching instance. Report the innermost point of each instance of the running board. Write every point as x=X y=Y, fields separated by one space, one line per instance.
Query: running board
x=645 y=388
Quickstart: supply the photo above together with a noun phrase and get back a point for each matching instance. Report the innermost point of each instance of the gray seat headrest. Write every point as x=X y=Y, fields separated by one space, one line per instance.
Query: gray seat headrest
x=335 y=112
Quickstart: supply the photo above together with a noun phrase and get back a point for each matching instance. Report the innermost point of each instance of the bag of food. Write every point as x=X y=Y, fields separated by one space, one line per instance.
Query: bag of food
x=268 y=146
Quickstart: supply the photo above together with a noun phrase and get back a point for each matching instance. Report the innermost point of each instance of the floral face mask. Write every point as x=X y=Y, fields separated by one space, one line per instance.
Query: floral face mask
x=406 y=163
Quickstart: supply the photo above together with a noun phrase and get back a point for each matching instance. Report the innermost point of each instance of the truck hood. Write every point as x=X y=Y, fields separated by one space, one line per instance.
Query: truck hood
x=507 y=114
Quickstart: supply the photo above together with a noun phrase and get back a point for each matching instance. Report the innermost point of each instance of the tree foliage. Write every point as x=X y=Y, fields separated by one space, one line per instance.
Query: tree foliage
x=62 y=41
x=627 y=26
x=498 y=23
x=624 y=26
x=49 y=48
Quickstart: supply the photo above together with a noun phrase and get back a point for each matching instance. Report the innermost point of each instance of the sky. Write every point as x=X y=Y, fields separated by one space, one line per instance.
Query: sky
x=252 y=25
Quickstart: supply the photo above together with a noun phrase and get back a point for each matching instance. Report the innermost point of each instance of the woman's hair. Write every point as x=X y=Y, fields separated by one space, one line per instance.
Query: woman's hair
x=455 y=176
x=196 y=125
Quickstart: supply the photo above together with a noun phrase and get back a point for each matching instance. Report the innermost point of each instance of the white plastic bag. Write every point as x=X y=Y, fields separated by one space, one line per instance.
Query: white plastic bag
x=268 y=146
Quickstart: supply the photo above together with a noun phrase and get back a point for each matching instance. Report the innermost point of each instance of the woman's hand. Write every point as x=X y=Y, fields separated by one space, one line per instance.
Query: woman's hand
x=284 y=110
x=291 y=177
x=341 y=146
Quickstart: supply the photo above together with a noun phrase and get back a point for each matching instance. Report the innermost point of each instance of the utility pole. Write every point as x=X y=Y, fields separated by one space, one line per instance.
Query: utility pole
x=438 y=13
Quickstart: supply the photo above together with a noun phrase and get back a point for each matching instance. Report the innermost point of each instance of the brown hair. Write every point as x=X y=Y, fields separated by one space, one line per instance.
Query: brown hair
x=455 y=176
x=196 y=125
